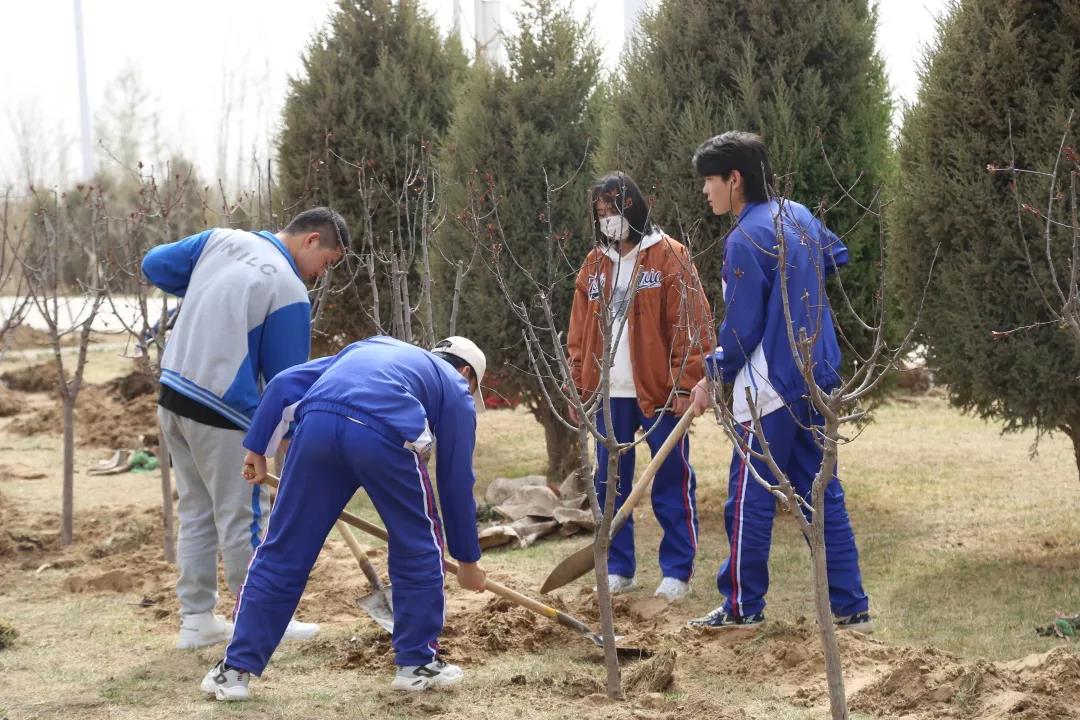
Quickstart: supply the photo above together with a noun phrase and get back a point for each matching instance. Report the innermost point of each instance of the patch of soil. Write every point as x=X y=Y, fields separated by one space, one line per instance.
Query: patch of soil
x=10 y=403
x=118 y=581
x=930 y=683
x=23 y=337
x=497 y=627
x=472 y=636
x=43 y=377
x=20 y=538
x=134 y=384
x=100 y=420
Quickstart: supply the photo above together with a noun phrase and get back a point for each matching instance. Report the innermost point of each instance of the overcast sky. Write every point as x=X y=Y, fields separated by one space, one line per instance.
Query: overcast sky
x=215 y=71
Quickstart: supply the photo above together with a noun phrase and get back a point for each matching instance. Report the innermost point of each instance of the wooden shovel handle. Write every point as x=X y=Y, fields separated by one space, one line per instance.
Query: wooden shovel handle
x=358 y=553
x=450 y=566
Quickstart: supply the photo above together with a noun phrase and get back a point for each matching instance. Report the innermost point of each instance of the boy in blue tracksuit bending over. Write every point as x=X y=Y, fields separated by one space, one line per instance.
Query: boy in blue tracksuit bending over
x=756 y=355
x=366 y=417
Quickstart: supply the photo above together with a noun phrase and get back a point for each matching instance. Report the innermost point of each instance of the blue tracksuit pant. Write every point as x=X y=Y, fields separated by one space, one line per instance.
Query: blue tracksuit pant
x=673 y=491
x=743 y=579
x=329 y=458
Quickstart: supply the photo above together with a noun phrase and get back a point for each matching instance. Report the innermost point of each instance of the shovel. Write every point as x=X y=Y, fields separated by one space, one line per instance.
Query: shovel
x=378 y=603
x=583 y=561
x=502 y=591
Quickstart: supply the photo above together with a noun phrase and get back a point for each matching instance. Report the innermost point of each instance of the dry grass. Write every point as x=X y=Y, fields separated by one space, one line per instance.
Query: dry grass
x=967 y=544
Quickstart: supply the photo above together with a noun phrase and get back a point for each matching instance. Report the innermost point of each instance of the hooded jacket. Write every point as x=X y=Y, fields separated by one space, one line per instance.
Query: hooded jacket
x=668 y=321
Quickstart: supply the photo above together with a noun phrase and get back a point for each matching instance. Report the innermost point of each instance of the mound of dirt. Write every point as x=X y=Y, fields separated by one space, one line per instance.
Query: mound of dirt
x=499 y=626
x=368 y=650
x=929 y=683
x=43 y=377
x=10 y=403
x=134 y=384
x=100 y=420
x=118 y=581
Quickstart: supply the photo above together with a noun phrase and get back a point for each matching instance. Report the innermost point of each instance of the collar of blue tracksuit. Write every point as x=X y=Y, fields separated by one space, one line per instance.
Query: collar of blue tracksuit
x=746 y=209
x=267 y=235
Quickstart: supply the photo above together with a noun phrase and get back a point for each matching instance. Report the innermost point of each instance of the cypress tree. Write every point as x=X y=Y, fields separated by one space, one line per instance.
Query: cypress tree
x=997 y=88
x=785 y=69
x=377 y=88
x=517 y=133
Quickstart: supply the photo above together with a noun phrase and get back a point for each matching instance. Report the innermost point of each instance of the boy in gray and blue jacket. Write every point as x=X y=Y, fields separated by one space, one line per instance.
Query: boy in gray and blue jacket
x=245 y=318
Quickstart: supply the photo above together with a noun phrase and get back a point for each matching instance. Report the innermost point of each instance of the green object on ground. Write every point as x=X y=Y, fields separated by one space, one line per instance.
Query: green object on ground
x=144 y=461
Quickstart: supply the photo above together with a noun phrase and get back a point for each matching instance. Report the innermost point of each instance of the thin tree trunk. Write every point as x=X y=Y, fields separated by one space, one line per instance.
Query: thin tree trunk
x=600 y=555
x=563 y=445
x=459 y=277
x=1073 y=431
x=834 y=672
x=67 y=502
x=168 y=525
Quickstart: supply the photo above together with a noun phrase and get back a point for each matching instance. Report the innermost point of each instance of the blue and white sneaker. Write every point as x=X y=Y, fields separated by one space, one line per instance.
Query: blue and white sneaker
x=436 y=674
x=226 y=683
x=721 y=619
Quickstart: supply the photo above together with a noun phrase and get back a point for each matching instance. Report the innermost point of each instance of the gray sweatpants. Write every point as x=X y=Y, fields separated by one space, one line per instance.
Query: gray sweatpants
x=218 y=510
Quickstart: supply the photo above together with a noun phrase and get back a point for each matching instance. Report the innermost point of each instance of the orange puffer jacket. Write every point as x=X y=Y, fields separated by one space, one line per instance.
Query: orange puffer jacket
x=669 y=322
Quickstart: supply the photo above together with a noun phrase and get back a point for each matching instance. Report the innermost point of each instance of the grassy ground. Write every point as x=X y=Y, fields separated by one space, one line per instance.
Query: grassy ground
x=967 y=544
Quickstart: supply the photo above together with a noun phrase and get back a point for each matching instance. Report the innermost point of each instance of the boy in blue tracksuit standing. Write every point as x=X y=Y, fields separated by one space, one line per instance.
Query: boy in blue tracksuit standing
x=756 y=355
x=366 y=417
x=246 y=318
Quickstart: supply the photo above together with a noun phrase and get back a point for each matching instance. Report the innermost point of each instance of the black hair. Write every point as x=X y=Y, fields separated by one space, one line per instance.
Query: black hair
x=457 y=362
x=333 y=232
x=622 y=192
x=736 y=150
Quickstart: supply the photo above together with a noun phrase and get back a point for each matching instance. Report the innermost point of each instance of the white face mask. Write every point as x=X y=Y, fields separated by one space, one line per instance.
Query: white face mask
x=615 y=227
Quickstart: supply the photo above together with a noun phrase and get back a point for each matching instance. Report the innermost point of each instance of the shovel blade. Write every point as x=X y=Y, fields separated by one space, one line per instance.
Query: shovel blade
x=379 y=606
x=624 y=652
x=570 y=569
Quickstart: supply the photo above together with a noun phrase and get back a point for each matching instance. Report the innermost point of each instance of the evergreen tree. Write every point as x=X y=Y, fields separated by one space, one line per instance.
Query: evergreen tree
x=784 y=69
x=520 y=144
x=997 y=88
x=376 y=89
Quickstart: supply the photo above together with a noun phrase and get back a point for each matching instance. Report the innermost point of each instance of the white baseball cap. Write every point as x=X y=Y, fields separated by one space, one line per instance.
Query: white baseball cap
x=466 y=349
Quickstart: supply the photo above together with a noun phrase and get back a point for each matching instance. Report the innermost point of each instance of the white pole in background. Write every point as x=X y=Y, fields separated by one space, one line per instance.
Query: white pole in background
x=488 y=14
x=84 y=98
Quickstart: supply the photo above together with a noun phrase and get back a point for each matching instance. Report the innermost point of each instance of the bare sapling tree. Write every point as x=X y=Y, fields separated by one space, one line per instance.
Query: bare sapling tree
x=387 y=275
x=144 y=313
x=1053 y=256
x=543 y=334
x=838 y=412
x=68 y=309
x=16 y=299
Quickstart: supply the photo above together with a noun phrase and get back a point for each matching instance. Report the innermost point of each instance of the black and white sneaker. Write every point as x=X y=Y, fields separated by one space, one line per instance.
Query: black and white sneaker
x=861 y=622
x=436 y=674
x=226 y=683
x=722 y=619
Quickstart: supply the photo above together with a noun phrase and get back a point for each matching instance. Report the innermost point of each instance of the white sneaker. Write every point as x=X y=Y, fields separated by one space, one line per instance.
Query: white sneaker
x=672 y=589
x=435 y=674
x=202 y=629
x=619 y=584
x=297 y=630
x=228 y=684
